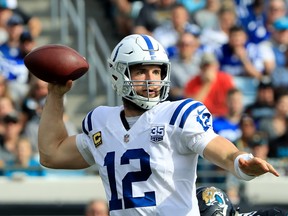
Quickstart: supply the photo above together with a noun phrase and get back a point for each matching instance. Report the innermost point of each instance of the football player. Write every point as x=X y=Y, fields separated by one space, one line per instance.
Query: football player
x=146 y=149
x=213 y=201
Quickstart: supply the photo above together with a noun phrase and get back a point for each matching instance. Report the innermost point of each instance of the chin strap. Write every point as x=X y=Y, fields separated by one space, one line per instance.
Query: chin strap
x=124 y=120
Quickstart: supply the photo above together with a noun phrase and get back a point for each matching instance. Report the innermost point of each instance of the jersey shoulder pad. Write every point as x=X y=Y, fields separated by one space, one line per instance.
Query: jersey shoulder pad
x=98 y=114
x=183 y=109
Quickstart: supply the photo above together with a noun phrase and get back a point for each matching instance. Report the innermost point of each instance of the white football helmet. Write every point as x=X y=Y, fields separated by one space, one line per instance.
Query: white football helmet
x=138 y=49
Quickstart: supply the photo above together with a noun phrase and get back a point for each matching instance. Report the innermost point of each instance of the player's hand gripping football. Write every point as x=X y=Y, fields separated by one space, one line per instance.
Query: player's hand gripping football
x=60 y=89
x=256 y=167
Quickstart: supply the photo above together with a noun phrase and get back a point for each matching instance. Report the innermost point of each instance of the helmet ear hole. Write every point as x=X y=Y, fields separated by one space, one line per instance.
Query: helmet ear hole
x=127 y=72
x=115 y=78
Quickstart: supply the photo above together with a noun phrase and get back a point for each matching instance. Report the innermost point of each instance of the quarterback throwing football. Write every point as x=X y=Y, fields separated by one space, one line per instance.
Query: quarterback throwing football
x=147 y=149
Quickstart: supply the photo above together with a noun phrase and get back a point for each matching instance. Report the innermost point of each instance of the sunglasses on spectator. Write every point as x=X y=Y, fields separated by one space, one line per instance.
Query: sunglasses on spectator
x=274 y=9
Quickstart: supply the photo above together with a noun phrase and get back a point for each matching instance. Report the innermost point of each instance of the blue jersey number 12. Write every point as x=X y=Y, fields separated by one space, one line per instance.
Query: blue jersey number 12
x=129 y=201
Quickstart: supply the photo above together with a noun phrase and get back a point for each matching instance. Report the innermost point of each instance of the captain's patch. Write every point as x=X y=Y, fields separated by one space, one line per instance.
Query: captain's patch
x=97 y=139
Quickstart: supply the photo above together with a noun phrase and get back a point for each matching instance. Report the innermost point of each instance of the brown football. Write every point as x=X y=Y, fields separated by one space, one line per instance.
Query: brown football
x=55 y=63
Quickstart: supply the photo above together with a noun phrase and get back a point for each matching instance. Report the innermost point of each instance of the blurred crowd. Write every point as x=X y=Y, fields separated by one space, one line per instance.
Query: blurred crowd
x=232 y=55
x=22 y=95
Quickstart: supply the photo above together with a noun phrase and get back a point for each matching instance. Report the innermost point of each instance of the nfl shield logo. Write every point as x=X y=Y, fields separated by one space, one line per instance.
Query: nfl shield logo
x=157 y=134
x=126 y=138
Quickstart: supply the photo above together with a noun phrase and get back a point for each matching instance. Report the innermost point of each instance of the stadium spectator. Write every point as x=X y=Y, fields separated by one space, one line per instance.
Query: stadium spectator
x=265 y=101
x=168 y=33
x=275 y=10
x=97 y=208
x=228 y=125
x=24 y=163
x=12 y=63
x=10 y=7
x=6 y=106
x=246 y=62
x=279 y=43
x=239 y=57
x=252 y=140
x=124 y=14
x=253 y=19
x=12 y=132
x=32 y=23
x=278 y=148
x=275 y=126
x=35 y=98
x=27 y=43
x=151 y=15
x=185 y=65
x=257 y=17
x=210 y=86
x=5 y=154
x=206 y=17
x=215 y=38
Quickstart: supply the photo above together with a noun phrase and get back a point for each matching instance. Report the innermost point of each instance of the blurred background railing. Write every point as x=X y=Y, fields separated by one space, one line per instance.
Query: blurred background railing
x=86 y=37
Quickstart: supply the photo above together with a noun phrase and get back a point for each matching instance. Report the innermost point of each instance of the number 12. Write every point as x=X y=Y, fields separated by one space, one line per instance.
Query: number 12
x=129 y=201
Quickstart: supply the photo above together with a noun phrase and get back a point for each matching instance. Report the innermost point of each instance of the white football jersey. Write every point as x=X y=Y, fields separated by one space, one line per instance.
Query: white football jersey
x=151 y=168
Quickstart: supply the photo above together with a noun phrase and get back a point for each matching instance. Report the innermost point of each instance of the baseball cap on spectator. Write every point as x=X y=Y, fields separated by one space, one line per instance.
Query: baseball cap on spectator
x=26 y=36
x=208 y=58
x=15 y=20
x=281 y=24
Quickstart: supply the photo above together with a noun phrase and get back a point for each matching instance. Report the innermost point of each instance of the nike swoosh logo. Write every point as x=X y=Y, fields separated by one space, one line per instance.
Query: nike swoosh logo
x=200 y=112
